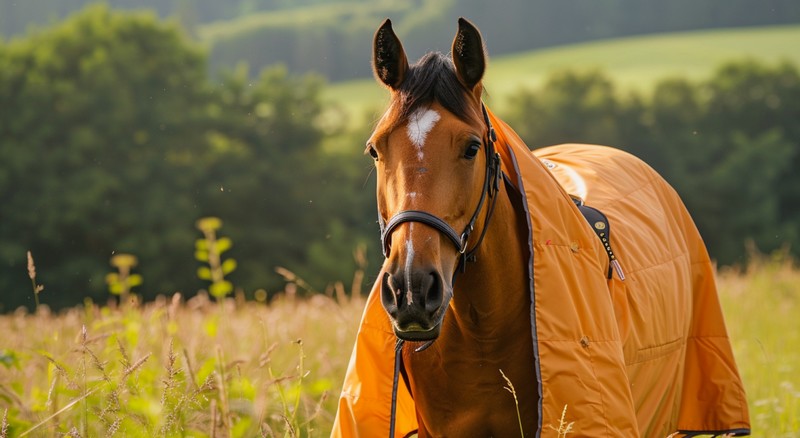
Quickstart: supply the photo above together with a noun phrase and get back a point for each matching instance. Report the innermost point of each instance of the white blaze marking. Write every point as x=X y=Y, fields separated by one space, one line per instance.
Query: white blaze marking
x=409 y=260
x=419 y=125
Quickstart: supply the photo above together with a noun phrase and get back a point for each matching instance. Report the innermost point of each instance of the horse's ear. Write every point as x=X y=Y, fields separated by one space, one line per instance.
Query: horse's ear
x=468 y=54
x=389 y=60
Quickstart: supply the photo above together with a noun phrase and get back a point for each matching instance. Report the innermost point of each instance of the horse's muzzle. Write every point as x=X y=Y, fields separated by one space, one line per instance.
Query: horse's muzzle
x=415 y=303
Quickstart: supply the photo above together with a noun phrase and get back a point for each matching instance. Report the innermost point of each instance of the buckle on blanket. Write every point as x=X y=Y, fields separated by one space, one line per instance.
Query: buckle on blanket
x=599 y=223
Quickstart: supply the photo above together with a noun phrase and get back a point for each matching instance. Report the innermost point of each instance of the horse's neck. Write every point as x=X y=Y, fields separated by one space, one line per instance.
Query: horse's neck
x=492 y=290
x=457 y=383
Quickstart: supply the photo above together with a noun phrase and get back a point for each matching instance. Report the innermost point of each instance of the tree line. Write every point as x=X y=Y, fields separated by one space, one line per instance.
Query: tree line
x=730 y=145
x=114 y=139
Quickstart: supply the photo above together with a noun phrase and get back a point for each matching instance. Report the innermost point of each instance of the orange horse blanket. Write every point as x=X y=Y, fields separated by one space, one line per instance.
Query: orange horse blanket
x=647 y=356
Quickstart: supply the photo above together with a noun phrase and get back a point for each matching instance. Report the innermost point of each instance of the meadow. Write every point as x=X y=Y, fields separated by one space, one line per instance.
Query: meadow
x=199 y=367
x=239 y=368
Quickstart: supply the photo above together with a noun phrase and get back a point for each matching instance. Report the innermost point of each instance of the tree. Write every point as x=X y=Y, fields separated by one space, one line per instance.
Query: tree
x=571 y=107
x=753 y=109
x=106 y=108
x=286 y=200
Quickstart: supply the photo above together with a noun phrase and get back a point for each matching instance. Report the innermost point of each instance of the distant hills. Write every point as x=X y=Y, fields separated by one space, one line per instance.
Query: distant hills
x=635 y=63
x=332 y=37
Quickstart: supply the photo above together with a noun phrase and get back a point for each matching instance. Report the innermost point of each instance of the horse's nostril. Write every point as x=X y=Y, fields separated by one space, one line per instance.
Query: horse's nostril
x=389 y=295
x=435 y=295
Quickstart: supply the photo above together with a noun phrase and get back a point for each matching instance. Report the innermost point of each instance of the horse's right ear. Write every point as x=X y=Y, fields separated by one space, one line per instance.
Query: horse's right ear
x=389 y=60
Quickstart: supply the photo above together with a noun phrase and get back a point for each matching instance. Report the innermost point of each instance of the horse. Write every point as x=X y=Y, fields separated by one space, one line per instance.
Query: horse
x=509 y=307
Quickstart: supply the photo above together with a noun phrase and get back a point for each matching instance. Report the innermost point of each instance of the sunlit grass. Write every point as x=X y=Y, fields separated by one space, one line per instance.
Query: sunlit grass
x=242 y=369
x=174 y=368
x=762 y=312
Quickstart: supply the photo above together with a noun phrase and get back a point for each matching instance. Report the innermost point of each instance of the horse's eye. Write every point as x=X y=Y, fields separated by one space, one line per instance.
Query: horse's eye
x=372 y=152
x=472 y=150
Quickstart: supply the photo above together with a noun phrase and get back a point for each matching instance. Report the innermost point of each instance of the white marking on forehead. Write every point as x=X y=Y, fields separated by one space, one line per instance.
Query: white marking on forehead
x=419 y=125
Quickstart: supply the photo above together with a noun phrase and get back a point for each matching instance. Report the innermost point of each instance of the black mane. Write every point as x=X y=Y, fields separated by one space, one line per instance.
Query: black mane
x=432 y=78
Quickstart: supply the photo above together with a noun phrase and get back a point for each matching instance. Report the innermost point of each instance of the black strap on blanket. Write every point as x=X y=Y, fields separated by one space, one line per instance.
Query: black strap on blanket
x=599 y=223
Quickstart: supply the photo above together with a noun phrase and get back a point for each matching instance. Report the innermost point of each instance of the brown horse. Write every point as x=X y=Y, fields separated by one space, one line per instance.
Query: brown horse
x=492 y=273
x=427 y=151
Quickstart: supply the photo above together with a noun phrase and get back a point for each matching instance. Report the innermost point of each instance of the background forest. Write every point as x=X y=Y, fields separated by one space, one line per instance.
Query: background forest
x=120 y=129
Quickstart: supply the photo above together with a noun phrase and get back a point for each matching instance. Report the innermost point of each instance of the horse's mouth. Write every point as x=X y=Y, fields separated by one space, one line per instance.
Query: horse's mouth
x=416 y=333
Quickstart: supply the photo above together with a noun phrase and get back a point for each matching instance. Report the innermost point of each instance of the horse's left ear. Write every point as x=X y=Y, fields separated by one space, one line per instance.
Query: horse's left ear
x=469 y=56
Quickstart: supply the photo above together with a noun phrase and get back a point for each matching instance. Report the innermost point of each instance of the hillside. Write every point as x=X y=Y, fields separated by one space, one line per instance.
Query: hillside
x=330 y=37
x=637 y=63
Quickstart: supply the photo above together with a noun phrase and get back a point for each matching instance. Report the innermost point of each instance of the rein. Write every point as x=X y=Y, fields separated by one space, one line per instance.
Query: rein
x=490 y=188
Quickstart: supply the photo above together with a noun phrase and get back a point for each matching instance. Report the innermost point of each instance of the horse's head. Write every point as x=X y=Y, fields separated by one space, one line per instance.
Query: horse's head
x=435 y=169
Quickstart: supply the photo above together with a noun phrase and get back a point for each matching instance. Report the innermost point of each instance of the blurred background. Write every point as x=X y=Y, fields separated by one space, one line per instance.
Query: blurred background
x=124 y=122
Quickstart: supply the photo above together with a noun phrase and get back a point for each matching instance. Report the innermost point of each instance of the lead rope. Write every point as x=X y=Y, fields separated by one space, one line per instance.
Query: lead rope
x=398 y=360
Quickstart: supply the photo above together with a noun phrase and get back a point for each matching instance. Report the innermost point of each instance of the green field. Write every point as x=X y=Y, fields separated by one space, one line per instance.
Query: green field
x=174 y=368
x=289 y=17
x=635 y=63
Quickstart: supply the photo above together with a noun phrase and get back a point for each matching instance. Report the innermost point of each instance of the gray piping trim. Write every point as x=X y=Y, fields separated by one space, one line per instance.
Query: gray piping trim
x=532 y=291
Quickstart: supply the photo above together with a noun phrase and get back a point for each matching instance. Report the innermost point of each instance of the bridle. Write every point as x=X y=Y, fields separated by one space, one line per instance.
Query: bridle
x=490 y=188
x=491 y=184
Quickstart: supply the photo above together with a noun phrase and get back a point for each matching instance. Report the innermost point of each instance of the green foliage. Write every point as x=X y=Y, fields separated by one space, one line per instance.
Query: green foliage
x=118 y=141
x=728 y=144
x=106 y=105
x=590 y=100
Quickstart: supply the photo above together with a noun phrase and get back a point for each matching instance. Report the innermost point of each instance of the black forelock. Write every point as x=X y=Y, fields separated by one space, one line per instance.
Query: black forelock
x=432 y=79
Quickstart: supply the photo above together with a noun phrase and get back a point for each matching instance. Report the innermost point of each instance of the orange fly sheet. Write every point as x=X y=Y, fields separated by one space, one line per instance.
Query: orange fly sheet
x=645 y=356
x=579 y=273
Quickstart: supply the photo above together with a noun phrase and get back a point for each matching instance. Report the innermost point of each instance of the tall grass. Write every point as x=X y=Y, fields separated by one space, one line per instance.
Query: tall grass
x=175 y=368
x=762 y=311
x=240 y=369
